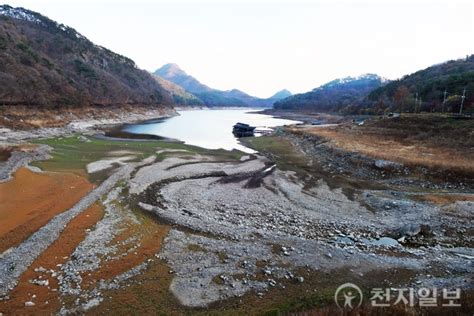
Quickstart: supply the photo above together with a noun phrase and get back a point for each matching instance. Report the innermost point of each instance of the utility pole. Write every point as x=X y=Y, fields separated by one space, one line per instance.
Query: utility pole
x=416 y=100
x=462 y=100
x=444 y=101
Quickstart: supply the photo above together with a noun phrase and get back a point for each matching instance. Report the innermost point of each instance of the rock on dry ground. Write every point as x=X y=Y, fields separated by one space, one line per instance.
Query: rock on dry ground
x=107 y=163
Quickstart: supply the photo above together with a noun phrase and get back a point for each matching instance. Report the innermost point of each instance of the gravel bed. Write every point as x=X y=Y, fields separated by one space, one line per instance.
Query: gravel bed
x=20 y=159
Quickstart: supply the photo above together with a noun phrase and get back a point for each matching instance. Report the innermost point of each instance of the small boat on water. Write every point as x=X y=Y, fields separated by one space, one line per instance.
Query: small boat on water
x=243 y=130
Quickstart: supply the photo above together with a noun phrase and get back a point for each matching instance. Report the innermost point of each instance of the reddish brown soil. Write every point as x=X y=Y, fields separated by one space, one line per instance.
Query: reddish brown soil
x=30 y=200
x=151 y=238
x=57 y=253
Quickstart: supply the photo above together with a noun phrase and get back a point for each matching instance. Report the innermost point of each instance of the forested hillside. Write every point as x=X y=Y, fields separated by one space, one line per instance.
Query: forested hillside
x=333 y=96
x=43 y=63
x=425 y=90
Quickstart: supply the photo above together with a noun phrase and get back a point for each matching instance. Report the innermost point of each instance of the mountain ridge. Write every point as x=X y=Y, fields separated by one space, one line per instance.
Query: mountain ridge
x=421 y=91
x=210 y=96
x=334 y=95
x=178 y=94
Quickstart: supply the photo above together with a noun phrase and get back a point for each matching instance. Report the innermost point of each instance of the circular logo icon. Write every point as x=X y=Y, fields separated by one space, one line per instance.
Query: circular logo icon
x=348 y=296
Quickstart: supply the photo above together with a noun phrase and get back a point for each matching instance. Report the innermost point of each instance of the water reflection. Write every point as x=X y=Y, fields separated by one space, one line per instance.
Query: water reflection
x=207 y=128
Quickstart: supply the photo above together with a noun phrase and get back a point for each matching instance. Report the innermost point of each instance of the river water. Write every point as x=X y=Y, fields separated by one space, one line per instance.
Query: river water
x=210 y=129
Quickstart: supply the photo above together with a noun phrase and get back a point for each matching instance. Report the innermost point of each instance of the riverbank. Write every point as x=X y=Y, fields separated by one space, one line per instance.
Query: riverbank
x=418 y=147
x=20 y=123
x=191 y=230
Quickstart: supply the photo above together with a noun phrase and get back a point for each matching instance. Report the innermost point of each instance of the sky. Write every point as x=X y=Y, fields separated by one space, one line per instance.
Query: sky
x=263 y=46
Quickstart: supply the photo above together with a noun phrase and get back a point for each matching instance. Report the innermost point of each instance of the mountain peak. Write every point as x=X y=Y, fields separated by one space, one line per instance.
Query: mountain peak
x=352 y=81
x=170 y=69
x=281 y=94
x=172 y=72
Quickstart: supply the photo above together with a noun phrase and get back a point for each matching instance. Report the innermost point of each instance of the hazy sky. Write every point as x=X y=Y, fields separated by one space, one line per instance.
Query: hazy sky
x=263 y=46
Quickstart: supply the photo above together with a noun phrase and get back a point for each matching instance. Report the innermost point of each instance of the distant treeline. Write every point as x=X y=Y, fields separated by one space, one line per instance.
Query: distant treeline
x=425 y=89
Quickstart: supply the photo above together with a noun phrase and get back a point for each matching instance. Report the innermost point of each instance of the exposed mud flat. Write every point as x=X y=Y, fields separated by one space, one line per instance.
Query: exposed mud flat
x=40 y=279
x=30 y=200
x=188 y=231
x=15 y=262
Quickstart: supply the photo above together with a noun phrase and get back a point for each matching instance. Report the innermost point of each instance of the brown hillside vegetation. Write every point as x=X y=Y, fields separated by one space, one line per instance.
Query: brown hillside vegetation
x=46 y=63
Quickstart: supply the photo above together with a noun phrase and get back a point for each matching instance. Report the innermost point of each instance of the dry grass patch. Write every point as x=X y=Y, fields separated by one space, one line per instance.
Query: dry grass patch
x=407 y=141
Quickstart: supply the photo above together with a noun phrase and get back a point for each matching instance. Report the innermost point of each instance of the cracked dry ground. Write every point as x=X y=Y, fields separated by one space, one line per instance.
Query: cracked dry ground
x=184 y=232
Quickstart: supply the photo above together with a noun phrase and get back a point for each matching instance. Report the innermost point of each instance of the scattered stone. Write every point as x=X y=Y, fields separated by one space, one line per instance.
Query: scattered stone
x=40 y=269
x=409 y=230
x=40 y=282
x=267 y=271
x=83 y=139
x=386 y=164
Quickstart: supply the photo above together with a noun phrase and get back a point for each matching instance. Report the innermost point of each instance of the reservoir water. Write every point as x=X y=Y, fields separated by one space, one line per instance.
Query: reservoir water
x=210 y=129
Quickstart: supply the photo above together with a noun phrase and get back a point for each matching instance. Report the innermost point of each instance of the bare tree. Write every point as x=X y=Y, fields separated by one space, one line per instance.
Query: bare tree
x=401 y=96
